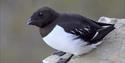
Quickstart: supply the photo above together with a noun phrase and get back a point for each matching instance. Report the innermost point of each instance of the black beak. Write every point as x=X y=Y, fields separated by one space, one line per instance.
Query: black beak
x=29 y=21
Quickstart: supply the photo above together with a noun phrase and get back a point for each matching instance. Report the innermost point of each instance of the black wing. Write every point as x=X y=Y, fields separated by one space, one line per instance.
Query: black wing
x=85 y=28
x=81 y=31
x=88 y=33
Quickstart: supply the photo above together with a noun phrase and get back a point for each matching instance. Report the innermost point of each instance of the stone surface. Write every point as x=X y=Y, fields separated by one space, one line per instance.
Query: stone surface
x=112 y=50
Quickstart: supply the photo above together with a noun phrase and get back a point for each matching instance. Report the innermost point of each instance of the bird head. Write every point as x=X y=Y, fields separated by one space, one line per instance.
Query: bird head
x=42 y=17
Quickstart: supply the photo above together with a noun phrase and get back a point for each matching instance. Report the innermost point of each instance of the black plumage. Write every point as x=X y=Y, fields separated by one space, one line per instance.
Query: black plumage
x=46 y=18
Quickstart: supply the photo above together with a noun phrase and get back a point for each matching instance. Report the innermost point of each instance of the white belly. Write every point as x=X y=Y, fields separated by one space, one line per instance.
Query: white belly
x=60 y=40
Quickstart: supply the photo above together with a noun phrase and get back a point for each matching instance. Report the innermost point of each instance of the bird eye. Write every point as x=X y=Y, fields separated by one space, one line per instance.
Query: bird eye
x=40 y=14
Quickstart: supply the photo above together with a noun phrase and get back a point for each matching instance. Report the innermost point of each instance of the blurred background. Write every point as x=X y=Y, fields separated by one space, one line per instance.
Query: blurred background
x=20 y=43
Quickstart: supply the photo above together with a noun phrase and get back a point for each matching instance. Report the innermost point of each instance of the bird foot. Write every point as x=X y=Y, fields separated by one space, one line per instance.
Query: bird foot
x=65 y=59
x=59 y=53
x=62 y=60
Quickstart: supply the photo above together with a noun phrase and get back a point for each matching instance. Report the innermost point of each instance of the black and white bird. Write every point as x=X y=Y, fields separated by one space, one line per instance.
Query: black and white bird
x=69 y=33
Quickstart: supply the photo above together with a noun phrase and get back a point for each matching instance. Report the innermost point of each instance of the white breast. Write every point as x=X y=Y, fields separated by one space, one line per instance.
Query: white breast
x=63 y=41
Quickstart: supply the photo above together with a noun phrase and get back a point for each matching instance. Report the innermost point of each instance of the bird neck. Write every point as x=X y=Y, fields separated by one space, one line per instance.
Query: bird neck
x=44 y=31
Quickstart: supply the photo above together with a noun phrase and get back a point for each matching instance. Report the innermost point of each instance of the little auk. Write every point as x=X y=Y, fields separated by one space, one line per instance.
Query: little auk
x=69 y=33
